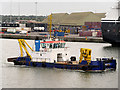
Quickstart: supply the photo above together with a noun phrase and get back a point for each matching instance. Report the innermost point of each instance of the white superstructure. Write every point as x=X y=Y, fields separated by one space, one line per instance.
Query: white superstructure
x=51 y=51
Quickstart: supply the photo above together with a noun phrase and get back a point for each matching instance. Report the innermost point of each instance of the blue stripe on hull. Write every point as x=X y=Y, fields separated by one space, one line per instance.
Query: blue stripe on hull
x=62 y=66
x=94 y=65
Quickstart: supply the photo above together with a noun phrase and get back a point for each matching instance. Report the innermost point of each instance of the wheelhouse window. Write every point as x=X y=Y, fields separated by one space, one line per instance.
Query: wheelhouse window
x=43 y=45
x=53 y=45
x=63 y=45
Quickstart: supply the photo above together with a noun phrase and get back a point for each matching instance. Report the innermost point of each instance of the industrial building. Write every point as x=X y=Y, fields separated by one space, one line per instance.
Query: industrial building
x=56 y=18
x=76 y=21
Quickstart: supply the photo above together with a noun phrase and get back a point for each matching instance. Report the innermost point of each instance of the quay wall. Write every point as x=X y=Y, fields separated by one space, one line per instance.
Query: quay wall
x=69 y=38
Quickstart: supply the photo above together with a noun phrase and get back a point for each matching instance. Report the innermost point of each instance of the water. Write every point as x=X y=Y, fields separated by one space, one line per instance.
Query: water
x=34 y=77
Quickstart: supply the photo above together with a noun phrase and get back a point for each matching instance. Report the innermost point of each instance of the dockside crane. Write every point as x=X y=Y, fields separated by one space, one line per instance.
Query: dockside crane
x=50 y=24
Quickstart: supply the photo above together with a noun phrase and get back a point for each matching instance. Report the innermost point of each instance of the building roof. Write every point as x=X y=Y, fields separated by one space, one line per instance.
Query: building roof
x=56 y=18
x=80 y=18
x=75 y=19
x=101 y=15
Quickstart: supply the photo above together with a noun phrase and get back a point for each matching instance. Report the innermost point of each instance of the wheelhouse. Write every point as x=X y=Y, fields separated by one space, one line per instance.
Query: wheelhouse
x=53 y=44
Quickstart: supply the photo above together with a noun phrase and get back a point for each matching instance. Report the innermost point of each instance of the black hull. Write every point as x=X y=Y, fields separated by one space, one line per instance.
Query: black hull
x=113 y=39
x=111 y=32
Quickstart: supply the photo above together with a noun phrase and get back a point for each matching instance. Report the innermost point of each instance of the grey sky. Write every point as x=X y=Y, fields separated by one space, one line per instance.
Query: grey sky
x=45 y=8
x=60 y=0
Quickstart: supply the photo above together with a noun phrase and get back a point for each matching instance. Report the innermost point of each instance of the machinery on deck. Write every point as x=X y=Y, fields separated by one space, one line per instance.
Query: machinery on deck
x=86 y=54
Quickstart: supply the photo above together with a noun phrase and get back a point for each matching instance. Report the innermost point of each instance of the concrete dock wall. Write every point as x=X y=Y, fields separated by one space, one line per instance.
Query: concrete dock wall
x=71 y=38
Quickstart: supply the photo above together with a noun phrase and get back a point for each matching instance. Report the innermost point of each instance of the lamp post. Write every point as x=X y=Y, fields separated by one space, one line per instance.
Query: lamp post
x=10 y=11
x=36 y=9
x=18 y=10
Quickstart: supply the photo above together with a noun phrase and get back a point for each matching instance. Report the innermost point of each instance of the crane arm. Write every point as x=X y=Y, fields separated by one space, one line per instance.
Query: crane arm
x=50 y=23
x=23 y=43
x=21 y=48
x=28 y=45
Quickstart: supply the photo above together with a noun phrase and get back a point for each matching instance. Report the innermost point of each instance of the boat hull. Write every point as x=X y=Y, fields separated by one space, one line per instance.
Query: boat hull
x=94 y=66
x=111 y=32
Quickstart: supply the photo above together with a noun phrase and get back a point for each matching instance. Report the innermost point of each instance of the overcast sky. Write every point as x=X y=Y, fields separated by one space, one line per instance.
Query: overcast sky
x=28 y=7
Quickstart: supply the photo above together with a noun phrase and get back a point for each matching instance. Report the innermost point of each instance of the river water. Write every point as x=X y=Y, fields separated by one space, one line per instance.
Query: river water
x=36 y=77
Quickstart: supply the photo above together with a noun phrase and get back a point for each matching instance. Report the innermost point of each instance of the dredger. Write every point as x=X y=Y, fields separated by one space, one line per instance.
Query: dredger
x=54 y=54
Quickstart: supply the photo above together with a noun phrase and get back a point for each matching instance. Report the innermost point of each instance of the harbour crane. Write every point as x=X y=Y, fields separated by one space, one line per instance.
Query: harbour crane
x=50 y=23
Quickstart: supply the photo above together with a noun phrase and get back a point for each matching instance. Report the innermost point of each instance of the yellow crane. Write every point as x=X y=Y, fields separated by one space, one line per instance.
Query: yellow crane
x=22 y=44
x=50 y=23
x=86 y=54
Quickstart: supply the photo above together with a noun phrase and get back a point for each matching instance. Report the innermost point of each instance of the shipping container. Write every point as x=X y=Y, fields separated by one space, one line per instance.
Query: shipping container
x=85 y=33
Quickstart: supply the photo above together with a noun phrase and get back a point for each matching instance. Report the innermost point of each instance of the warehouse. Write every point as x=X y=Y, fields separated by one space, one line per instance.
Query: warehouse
x=56 y=18
x=76 y=21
